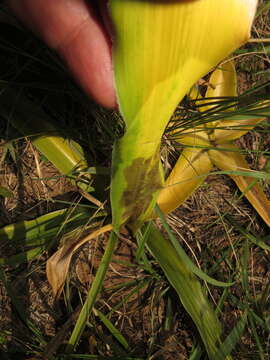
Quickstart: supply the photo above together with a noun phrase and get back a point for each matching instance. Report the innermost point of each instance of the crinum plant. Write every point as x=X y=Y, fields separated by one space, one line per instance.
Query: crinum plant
x=160 y=49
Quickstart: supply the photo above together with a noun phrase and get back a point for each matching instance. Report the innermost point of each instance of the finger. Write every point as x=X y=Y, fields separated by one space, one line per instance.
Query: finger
x=74 y=30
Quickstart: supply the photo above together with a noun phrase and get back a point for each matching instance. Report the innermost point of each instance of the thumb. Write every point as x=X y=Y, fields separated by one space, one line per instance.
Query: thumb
x=73 y=28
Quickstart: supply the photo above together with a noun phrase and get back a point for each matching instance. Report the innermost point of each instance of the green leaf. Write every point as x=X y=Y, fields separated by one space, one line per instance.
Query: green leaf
x=188 y=288
x=25 y=256
x=66 y=155
x=39 y=234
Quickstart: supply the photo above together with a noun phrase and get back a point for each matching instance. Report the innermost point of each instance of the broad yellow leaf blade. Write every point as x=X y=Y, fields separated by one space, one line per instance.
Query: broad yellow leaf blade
x=230 y=130
x=234 y=161
x=67 y=156
x=190 y=171
x=222 y=83
x=191 y=137
x=194 y=93
x=160 y=49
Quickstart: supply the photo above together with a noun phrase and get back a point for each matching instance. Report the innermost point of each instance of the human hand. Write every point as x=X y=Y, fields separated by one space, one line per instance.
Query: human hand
x=75 y=31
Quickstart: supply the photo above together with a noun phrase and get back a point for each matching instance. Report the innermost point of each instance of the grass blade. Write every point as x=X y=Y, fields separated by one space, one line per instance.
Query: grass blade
x=232 y=339
x=113 y=330
x=92 y=294
x=23 y=257
x=20 y=309
x=254 y=239
x=185 y=259
x=257 y=338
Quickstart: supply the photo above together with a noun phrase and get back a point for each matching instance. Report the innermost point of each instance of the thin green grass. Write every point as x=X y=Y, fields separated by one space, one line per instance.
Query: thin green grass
x=185 y=259
x=254 y=102
x=113 y=330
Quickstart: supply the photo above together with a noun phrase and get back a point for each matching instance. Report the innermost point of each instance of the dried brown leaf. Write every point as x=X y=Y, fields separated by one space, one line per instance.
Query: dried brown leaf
x=58 y=264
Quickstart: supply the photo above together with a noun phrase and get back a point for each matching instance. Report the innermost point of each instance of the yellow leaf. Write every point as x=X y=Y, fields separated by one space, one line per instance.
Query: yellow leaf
x=222 y=84
x=160 y=49
x=194 y=93
x=188 y=174
x=234 y=161
x=230 y=130
x=191 y=137
x=223 y=81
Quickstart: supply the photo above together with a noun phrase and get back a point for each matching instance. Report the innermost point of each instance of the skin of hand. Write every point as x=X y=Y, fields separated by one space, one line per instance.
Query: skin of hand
x=75 y=30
